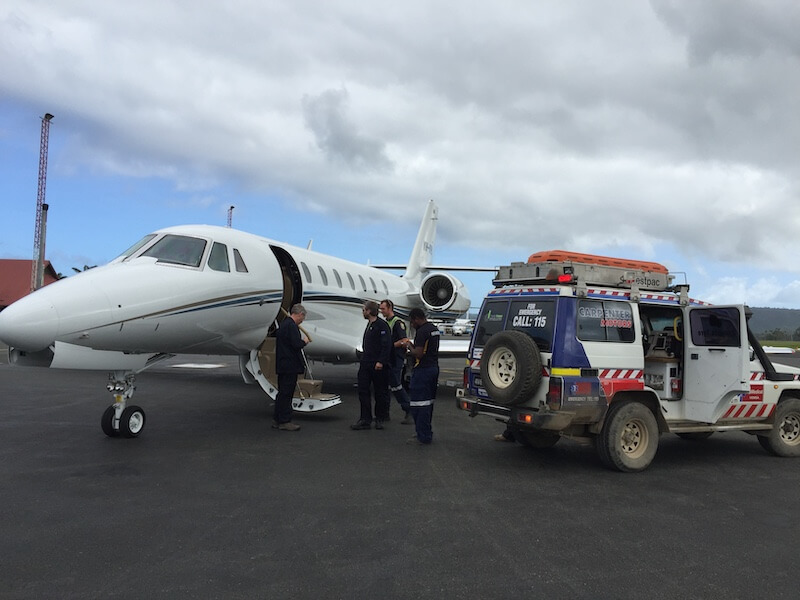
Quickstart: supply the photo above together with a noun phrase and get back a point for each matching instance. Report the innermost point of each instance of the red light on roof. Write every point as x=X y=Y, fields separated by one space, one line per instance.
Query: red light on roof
x=564 y=278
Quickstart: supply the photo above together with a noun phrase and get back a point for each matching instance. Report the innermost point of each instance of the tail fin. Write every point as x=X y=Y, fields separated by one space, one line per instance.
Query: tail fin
x=422 y=254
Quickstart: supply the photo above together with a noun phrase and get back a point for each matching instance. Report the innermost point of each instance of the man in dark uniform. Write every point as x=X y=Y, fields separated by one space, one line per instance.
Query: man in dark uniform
x=425 y=376
x=289 y=344
x=398 y=358
x=373 y=371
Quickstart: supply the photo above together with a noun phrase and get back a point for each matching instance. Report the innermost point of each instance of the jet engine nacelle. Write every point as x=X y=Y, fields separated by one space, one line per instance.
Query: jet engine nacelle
x=442 y=292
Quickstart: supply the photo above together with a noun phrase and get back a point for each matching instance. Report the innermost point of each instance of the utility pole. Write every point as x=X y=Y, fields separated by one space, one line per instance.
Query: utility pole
x=230 y=215
x=37 y=268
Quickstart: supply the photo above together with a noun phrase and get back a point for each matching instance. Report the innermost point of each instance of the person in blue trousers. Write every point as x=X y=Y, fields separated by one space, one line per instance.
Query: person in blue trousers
x=425 y=376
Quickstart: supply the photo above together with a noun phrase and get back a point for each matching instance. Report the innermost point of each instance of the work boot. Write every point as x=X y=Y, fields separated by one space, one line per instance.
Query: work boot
x=361 y=425
x=408 y=420
x=286 y=426
x=378 y=424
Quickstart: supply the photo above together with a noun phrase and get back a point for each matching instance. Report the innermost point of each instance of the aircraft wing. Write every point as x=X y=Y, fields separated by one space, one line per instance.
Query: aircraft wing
x=453 y=348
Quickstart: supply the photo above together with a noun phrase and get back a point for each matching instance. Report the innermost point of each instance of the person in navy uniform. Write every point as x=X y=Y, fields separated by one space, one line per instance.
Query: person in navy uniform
x=398 y=358
x=373 y=373
x=289 y=344
x=425 y=376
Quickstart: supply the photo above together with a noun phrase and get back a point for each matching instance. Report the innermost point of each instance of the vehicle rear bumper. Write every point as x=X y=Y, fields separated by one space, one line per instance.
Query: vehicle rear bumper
x=520 y=417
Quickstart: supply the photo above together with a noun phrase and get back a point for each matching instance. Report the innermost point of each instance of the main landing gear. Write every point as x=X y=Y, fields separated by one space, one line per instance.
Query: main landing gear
x=119 y=419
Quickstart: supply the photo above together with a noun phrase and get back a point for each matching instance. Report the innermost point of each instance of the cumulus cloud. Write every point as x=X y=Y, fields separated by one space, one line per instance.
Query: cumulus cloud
x=667 y=129
x=337 y=135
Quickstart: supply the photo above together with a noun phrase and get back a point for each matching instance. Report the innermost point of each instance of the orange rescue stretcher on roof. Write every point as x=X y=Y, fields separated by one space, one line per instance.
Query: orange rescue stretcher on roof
x=595 y=259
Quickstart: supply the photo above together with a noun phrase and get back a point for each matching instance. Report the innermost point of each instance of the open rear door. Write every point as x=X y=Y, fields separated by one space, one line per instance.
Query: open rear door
x=717 y=360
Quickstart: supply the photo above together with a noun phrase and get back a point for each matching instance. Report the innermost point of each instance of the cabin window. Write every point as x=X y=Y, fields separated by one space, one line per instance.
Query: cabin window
x=374 y=287
x=306 y=271
x=218 y=259
x=602 y=321
x=239 y=262
x=363 y=284
x=178 y=250
x=350 y=279
x=138 y=245
x=715 y=327
x=338 y=279
x=385 y=287
x=323 y=275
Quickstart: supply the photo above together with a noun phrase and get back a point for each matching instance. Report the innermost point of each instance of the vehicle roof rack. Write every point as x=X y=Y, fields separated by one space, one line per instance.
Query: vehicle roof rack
x=574 y=268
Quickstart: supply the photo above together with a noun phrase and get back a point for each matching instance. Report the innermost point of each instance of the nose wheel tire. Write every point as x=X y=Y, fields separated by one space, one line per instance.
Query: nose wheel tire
x=107 y=422
x=132 y=421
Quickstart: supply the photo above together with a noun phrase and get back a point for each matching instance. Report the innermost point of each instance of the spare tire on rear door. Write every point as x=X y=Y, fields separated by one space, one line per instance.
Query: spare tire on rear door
x=511 y=367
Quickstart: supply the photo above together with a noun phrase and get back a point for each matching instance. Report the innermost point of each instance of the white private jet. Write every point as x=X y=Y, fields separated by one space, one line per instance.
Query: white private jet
x=199 y=289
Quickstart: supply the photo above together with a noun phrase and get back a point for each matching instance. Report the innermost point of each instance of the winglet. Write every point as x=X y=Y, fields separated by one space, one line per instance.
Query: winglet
x=422 y=254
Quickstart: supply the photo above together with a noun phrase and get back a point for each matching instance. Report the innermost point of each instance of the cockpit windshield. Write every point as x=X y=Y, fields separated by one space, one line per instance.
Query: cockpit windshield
x=141 y=243
x=178 y=250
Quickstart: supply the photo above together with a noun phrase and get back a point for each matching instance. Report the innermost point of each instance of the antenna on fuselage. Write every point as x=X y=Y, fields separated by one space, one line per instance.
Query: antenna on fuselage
x=230 y=215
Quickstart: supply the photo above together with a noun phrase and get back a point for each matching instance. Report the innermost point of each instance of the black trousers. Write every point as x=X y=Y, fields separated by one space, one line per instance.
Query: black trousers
x=283 y=401
x=374 y=381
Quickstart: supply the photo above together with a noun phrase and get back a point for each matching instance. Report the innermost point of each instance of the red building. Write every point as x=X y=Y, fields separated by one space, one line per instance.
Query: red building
x=15 y=279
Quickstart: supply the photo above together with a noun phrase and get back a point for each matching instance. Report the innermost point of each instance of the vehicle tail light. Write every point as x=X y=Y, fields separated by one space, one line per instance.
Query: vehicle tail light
x=526 y=418
x=554 y=392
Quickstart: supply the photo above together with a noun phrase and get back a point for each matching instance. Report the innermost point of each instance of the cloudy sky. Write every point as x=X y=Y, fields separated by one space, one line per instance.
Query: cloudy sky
x=666 y=130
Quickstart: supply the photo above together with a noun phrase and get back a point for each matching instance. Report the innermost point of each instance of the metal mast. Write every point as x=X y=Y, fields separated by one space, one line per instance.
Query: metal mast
x=37 y=268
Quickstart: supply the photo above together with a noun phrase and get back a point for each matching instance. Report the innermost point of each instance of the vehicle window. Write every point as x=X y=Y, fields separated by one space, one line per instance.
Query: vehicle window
x=338 y=279
x=239 y=262
x=363 y=285
x=537 y=318
x=350 y=279
x=218 y=259
x=385 y=287
x=374 y=287
x=323 y=275
x=601 y=321
x=178 y=250
x=715 y=327
x=306 y=271
x=490 y=321
x=140 y=244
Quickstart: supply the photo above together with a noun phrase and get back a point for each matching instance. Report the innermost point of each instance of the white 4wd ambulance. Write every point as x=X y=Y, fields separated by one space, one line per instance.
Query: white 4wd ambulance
x=609 y=351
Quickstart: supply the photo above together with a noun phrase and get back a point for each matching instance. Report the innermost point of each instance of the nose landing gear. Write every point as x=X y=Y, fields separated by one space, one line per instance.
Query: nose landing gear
x=119 y=419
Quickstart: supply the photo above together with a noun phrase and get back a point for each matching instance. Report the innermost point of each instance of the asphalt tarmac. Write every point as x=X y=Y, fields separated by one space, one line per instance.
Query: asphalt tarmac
x=209 y=502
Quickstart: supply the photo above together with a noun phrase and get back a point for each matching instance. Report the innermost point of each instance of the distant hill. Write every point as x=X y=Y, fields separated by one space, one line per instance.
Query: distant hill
x=768 y=320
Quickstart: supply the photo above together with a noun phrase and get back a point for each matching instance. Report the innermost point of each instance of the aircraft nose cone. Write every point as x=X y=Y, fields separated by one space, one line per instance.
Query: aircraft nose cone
x=29 y=324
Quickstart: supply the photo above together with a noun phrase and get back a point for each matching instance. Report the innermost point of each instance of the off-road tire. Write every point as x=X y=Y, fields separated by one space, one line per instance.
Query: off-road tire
x=784 y=438
x=629 y=438
x=511 y=367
